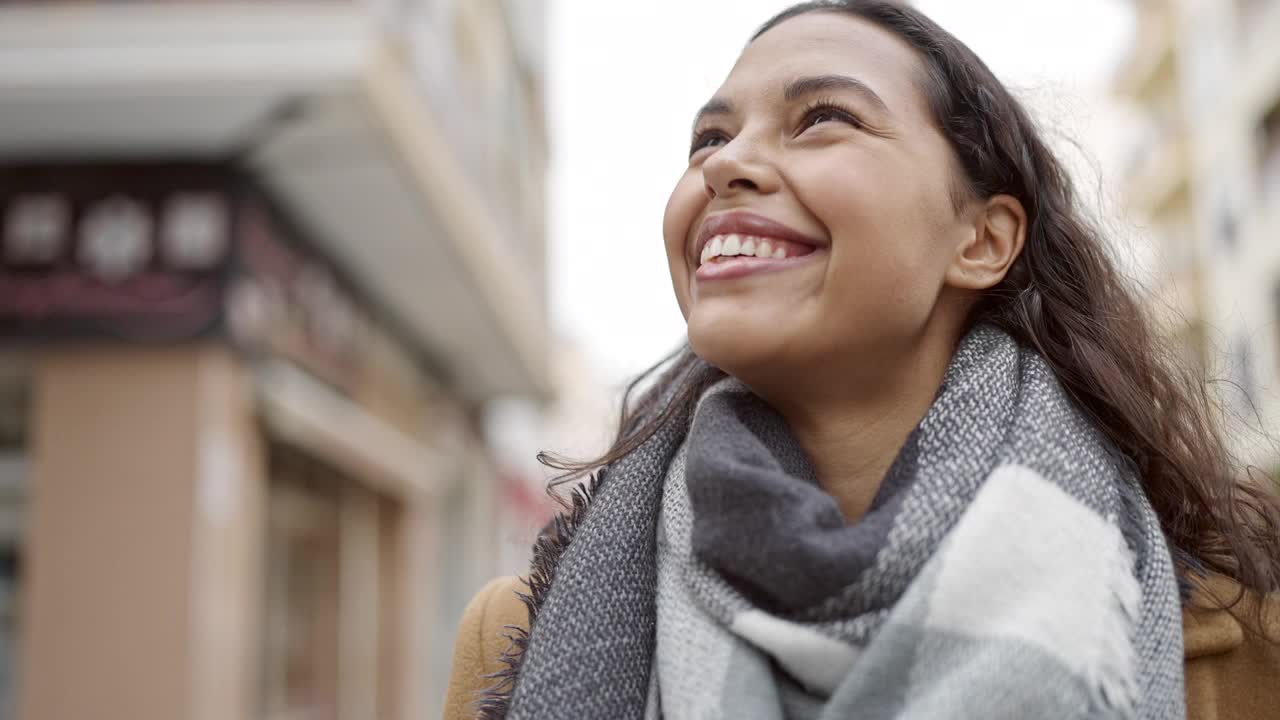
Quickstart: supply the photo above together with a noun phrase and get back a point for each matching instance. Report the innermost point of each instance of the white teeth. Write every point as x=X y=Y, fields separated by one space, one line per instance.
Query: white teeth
x=743 y=245
x=714 y=247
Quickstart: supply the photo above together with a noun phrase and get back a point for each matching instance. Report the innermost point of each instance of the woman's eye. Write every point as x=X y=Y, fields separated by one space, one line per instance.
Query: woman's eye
x=825 y=113
x=712 y=138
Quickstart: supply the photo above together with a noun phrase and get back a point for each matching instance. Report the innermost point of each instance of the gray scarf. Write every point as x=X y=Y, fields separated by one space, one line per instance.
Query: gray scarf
x=1010 y=566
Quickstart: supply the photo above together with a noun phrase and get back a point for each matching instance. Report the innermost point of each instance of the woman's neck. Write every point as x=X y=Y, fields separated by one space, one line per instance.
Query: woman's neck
x=853 y=434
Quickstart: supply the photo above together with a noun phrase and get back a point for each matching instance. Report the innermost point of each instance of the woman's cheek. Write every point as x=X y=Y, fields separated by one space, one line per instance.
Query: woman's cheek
x=872 y=228
x=685 y=205
x=686 y=201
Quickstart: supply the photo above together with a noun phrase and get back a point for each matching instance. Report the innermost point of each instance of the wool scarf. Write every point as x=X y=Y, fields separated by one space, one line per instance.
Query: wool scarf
x=1009 y=566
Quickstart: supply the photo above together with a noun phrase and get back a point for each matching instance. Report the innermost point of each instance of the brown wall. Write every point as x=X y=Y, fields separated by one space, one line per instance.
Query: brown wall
x=142 y=560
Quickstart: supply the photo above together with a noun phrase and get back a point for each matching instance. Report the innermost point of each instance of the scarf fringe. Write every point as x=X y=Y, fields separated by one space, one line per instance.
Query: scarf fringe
x=551 y=544
x=1113 y=682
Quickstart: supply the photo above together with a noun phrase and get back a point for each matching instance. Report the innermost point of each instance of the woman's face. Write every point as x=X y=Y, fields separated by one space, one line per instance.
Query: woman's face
x=820 y=145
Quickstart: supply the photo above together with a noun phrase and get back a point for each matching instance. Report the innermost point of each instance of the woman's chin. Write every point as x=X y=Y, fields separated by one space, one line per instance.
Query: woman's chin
x=740 y=348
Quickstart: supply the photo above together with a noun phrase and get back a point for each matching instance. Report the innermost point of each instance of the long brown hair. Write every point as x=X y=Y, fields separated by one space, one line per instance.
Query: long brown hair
x=1065 y=298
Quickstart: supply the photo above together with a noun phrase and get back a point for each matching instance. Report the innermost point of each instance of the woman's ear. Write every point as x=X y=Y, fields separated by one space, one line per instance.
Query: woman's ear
x=985 y=256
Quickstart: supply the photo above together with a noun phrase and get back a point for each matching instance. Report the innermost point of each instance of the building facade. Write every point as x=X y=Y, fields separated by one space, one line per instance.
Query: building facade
x=262 y=268
x=1204 y=182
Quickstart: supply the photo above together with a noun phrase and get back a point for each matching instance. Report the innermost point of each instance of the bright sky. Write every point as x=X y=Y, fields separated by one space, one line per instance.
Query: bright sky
x=626 y=78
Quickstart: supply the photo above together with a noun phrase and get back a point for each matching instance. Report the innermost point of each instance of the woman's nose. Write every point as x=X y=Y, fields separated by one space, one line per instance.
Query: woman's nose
x=739 y=166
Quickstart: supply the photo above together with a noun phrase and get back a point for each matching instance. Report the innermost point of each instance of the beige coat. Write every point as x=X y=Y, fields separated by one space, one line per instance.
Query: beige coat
x=1231 y=674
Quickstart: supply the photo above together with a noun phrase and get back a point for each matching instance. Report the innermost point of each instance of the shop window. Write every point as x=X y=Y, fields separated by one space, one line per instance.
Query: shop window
x=1228 y=230
x=328 y=625
x=1275 y=319
x=14 y=394
x=1268 y=158
x=1249 y=15
x=302 y=590
x=1243 y=375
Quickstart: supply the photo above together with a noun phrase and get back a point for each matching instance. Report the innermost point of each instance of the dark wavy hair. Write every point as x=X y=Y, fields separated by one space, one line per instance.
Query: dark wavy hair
x=1065 y=298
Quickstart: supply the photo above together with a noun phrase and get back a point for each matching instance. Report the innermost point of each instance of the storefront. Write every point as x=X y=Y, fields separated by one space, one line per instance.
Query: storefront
x=262 y=268
x=223 y=475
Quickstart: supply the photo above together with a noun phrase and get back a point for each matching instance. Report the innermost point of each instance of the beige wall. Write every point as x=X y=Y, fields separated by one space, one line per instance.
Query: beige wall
x=143 y=544
x=228 y=554
x=146 y=547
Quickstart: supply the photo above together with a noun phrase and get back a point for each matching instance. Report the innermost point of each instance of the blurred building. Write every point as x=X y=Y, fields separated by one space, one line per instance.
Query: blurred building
x=579 y=423
x=262 y=267
x=1204 y=180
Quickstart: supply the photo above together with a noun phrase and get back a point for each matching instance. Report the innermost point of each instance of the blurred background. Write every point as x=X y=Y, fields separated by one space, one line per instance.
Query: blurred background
x=292 y=292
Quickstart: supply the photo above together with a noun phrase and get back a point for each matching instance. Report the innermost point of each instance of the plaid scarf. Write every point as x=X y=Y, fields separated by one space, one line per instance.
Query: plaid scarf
x=1009 y=566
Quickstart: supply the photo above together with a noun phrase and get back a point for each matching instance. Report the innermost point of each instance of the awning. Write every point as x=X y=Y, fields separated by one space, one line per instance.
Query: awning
x=315 y=100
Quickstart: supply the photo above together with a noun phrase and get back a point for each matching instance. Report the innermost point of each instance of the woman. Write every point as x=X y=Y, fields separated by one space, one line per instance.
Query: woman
x=922 y=456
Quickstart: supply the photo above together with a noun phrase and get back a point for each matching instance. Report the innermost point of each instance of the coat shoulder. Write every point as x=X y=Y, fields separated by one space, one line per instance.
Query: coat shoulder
x=483 y=635
x=1232 y=670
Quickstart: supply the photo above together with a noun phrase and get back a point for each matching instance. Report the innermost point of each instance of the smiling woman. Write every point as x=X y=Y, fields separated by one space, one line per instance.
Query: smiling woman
x=923 y=456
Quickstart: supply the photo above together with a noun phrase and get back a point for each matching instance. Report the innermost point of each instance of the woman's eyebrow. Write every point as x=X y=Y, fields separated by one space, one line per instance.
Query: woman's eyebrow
x=714 y=106
x=818 y=83
x=800 y=87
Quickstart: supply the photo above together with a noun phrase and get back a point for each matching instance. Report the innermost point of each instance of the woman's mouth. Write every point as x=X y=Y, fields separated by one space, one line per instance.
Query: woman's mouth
x=731 y=256
x=742 y=243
